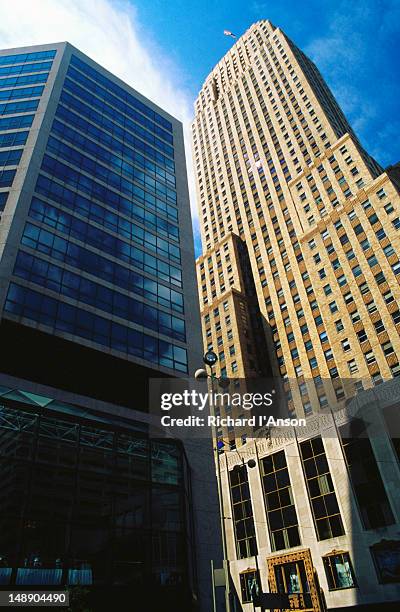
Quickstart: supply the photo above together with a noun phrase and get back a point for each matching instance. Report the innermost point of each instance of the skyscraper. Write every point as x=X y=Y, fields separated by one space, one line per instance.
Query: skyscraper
x=279 y=168
x=97 y=296
x=278 y=165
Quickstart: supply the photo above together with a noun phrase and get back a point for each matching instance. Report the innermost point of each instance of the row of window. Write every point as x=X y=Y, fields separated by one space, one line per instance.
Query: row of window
x=20 y=58
x=282 y=521
x=22 y=92
x=103 y=94
x=122 y=93
x=7 y=177
x=291 y=577
x=87 y=208
x=66 y=318
x=28 y=79
x=74 y=227
x=22 y=68
x=75 y=286
x=105 y=109
x=102 y=172
x=96 y=190
x=105 y=269
x=18 y=107
x=10 y=157
x=105 y=138
x=140 y=172
x=122 y=128
x=16 y=123
x=13 y=139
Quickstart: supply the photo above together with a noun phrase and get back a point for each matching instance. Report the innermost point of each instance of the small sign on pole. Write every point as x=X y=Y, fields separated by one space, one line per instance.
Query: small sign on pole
x=219 y=577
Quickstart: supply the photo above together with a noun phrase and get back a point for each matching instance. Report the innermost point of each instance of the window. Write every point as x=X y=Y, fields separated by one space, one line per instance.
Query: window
x=323 y=400
x=333 y=372
x=353 y=368
x=321 y=492
x=346 y=345
x=355 y=316
x=396 y=267
x=339 y=572
x=387 y=348
x=281 y=511
x=379 y=326
x=396 y=317
x=249 y=585
x=386 y=557
x=339 y=325
x=362 y=335
x=246 y=545
x=365 y=477
x=369 y=357
x=371 y=306
x=380 y=278
x=388 y=297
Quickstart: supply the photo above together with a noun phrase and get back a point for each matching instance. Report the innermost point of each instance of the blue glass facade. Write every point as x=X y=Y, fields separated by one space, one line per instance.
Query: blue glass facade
x=99 y=255
x=17 y=71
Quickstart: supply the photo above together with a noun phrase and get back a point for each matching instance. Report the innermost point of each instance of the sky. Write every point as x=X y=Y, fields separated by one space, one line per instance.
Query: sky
x=166 y=48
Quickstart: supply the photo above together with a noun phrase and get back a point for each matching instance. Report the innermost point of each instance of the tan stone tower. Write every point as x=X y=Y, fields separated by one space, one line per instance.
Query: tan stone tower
x=282 y=178
x=278 y=166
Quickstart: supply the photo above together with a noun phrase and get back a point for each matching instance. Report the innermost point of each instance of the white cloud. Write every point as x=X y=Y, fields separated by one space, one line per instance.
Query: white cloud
x=109 y=32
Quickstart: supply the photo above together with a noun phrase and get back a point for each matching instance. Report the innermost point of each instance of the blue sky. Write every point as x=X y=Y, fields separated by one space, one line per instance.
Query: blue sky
x=355 y=44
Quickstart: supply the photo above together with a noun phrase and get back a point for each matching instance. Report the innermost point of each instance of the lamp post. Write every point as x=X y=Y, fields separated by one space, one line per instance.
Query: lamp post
x=210 y=359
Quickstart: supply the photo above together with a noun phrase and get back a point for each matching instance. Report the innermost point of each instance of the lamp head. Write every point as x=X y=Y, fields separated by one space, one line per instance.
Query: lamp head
x=200 y=374
x=210 y=358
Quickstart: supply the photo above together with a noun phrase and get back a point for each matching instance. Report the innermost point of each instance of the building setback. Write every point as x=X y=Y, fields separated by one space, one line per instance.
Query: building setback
x=97 y=296
x=279 y=169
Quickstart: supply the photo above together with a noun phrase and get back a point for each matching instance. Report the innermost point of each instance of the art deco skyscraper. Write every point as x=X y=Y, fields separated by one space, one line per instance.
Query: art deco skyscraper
x=278 y=165
x=283 y=180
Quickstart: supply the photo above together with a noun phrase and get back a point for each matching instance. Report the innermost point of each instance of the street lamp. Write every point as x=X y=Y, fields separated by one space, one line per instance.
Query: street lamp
x=210 y=359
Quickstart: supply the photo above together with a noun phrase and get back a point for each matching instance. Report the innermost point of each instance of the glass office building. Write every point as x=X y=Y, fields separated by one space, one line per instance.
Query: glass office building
x=97 y=296
x=93 y=209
